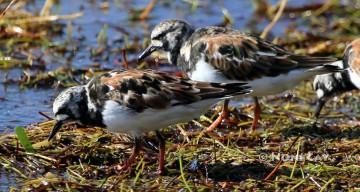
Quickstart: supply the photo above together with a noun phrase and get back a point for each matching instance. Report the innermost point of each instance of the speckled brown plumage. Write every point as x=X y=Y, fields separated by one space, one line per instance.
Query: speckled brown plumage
x=139 y=90
x=241 y=57
x=218 y=54
x=135 y=102
x=352 y=56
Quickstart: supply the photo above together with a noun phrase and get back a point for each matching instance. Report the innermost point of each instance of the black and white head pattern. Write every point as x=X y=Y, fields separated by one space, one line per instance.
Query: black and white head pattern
x=170 y=34
x=69 y=103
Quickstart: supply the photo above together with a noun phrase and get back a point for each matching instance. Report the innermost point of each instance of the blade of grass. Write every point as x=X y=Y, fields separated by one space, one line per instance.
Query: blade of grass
x=41 y=19
x=46 y=9
x=7 y=8
x=125 y=62
x=275 y=19
x=24 y=141
x=296 y=160
x=297 y=185
x=145 y=14
x=102 y=37
x=326 y=184
x=142 y=164
x=277 y=166
x=182 y=174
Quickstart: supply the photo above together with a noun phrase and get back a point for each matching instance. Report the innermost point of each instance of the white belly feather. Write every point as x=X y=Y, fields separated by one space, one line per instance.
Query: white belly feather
x=121 y=119
x=355 y=78
x=261 y=87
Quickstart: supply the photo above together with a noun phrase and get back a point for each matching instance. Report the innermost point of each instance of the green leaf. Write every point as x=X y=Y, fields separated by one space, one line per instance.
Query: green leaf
x=24 y=141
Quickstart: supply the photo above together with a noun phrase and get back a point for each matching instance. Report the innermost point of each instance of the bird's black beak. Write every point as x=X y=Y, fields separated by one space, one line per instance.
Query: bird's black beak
x=55 y=129
x=147 y=52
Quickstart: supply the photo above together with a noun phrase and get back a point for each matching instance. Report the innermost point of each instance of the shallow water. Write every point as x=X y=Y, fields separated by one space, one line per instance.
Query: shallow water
x=21 y=106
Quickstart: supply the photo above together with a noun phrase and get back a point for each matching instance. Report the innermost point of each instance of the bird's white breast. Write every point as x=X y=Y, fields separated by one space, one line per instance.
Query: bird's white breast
x=278 y=84
x=207 y=73
x=355 y=78
x=261 y=87
x=118 y=118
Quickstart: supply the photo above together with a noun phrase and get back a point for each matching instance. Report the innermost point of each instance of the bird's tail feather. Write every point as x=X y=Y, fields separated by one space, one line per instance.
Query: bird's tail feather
x=329 y=68
x=311 y=61
x=225 y=90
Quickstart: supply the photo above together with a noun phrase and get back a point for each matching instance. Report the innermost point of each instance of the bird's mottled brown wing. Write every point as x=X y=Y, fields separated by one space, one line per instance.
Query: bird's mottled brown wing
x=243 y=57
x=139 y=90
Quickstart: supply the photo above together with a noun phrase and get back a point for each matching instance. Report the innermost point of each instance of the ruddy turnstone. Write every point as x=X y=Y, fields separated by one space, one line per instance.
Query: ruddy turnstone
x=329 y=85
x=135 y=102
x=218 y=54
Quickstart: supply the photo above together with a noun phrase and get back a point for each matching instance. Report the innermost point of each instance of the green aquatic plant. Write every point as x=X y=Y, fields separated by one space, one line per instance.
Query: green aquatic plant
x=23 y=139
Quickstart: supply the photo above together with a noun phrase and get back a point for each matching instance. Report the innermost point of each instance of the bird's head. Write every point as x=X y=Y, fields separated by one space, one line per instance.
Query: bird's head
x=168 y=36
x=68 y=106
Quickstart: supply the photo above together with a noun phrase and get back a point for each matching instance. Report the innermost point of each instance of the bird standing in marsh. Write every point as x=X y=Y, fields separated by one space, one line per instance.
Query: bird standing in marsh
x=218 y=54
x=136 y=102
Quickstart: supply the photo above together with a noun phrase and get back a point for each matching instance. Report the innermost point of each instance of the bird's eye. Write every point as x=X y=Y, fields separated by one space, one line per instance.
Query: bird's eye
x=156 y=38
x=64 y=110
x=61 y=111
x=160 y=36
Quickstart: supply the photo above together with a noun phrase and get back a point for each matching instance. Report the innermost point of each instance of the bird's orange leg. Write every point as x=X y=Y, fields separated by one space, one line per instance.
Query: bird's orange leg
x=257 y=111
x=161 y=140
x=224 y=115
x=134 y=154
